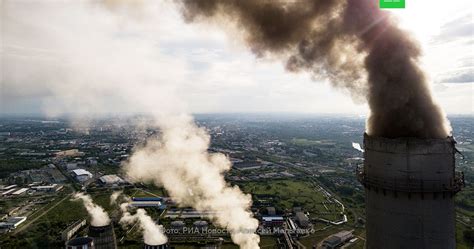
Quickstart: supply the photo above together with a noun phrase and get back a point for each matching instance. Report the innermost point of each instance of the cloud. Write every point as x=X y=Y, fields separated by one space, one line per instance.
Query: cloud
x=197 y=65
x=461 y=27
x=459 y=76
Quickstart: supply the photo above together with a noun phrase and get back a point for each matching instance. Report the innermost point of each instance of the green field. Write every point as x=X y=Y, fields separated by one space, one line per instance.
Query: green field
x=294 y=193
x=307 y=142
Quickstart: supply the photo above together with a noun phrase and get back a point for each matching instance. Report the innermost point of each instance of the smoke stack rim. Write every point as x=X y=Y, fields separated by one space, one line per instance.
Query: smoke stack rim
x=409 y=164
x=447 y=138
x=104 y=236
x=410 y=145
x=159 y=246
x=80 y=241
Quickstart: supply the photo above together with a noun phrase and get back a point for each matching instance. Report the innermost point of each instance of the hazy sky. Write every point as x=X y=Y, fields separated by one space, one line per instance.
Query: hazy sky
x=44 y=44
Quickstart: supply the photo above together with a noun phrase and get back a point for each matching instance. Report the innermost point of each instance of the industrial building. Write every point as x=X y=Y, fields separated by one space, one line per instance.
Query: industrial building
x=47 y=188
x=12 y=222
x=81 y=175
x=8 y=187
x=8 y=192
x=189 y=214
x=72 y=229
x=177 y=225
x=70 y=153
x=271 y=211
x=272 y=221
x=111 y=180
x=20 y=191
x=302 y=219
x=410 y=185
x=336 y=240
x=155 y=202
x=201 y=225
x=147 y=198
x=139 y=204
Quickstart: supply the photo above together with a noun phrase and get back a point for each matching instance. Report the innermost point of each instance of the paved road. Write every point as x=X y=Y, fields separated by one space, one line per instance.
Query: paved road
x=41 y=215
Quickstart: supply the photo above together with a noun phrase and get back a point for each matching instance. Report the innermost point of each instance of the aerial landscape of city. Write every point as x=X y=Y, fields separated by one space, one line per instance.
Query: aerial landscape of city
x=218 y=124
x=300 y=170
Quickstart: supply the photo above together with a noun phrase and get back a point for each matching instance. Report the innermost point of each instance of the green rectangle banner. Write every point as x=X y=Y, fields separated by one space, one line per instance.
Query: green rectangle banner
x=392 y=4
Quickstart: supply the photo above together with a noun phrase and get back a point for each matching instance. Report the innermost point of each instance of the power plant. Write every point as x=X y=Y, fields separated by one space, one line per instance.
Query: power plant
x=410 y=185
x=104 y=236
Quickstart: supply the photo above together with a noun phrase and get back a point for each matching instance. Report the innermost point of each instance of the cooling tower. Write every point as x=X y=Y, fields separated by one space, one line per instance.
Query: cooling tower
x=163 y=246
x=409 y=185
x=80 y=243
x=104 y=236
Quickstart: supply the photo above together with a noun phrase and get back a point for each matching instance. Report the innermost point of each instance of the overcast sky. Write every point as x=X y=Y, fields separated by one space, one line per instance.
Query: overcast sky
x=208 y=69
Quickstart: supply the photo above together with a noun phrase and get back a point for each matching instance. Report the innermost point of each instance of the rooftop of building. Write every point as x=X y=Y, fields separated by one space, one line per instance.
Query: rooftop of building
x=79 y=172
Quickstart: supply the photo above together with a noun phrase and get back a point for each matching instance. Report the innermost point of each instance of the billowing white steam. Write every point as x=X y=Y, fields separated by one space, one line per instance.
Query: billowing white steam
x=98 y=216
x=357 y=146
x=152 y=232
x=180 y=162
x=114 y=196
x=89 y=59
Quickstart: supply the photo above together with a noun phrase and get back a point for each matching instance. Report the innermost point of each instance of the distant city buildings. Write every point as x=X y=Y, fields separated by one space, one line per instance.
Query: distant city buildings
x=110 y=180
x=70 y=153
x=69 y=232
x=47 y=188
x=272 y=221
x=271 y=211
x=81 y=175
x=12 y=222
x=337 y=240
x=302 y=219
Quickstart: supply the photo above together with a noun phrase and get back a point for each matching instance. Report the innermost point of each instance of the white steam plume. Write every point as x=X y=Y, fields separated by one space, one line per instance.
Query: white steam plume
x=357 y=146
x=98 y=216
x=152 y=232
x=179 y=161
x=114 y=196
x=90 y=60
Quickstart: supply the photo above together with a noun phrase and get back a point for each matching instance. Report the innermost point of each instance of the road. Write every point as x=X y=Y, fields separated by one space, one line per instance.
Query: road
x=41 y=215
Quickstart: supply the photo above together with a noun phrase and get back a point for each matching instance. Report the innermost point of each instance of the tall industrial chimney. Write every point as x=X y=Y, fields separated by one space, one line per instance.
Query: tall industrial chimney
x=410 y=185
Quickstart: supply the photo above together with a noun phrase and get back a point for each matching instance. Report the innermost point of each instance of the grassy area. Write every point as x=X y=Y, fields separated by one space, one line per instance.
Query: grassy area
x=461 y=242
x=46 y=231
x=289 y=194
x=296 y=192
x=307 y=142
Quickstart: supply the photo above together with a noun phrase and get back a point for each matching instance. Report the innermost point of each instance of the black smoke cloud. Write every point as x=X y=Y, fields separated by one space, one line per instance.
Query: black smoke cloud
x=352 y=43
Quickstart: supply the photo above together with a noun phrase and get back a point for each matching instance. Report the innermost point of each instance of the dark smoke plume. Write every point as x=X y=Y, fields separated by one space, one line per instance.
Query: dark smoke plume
x=352 y=43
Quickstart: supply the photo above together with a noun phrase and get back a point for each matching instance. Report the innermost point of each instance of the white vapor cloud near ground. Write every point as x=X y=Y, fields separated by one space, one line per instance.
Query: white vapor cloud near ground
x=92 y=58
x=152 y=233
x=98 y=216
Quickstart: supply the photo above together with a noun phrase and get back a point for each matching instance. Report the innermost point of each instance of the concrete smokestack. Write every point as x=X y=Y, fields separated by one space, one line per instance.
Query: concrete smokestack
x=410 y=185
